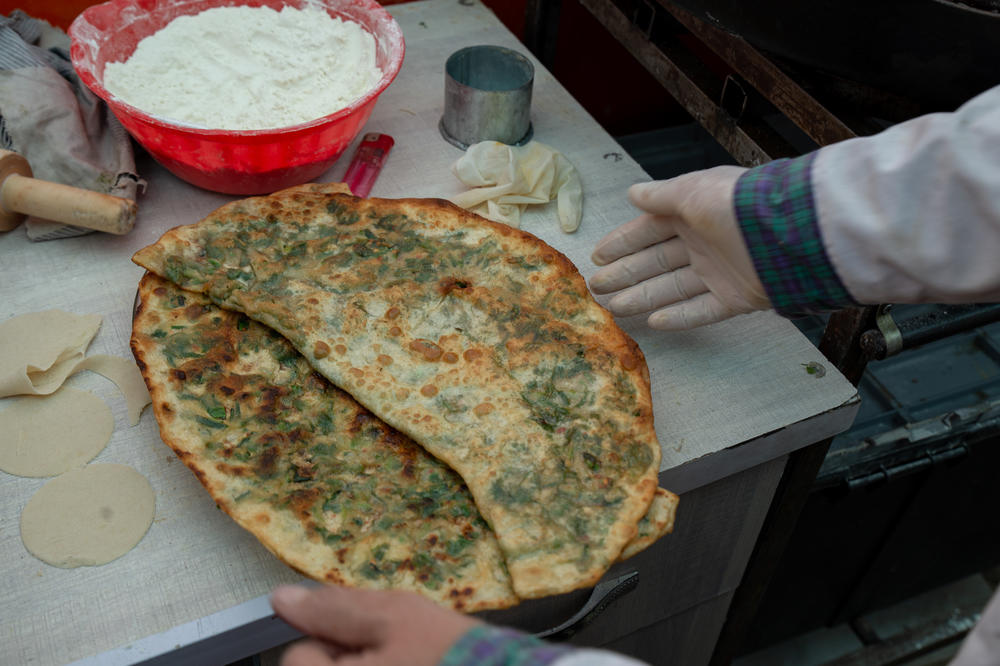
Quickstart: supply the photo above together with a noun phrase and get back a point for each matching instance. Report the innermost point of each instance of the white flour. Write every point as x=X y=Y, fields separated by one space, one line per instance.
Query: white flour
x=247 y=68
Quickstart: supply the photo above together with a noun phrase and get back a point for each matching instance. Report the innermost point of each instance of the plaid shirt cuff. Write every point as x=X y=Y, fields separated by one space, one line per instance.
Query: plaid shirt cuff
x=485 y=645
x=777 y=214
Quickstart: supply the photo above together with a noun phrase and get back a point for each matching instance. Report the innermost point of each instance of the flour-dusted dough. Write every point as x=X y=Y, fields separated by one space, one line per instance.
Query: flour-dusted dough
x=39 y=350
x=49 y=435
x=88 y=517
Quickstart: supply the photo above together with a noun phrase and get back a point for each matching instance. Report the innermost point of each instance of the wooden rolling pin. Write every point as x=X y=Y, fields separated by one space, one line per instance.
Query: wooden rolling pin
x=21 y=195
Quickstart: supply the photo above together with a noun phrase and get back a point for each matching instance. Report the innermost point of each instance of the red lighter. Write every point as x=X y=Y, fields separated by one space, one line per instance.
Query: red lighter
x=367 y=162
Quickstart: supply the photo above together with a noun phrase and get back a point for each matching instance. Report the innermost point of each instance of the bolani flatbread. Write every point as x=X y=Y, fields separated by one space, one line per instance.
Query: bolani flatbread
x=325 y=486
x=657 y=522
x=479 y=341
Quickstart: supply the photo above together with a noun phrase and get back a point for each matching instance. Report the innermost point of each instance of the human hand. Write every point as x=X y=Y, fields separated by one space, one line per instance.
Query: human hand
x=684 y=259
x=352 y=627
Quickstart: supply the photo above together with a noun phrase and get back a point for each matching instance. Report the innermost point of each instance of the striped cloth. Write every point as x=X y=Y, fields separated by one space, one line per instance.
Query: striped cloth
x=67 y=134
x=777 y=215
x=486 y=645
x=18 y=35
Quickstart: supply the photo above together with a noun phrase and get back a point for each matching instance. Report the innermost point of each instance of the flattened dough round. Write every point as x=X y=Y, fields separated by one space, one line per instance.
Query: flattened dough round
x=49 y=435
x=39 y=350
x=126 y=376
x=88 y=517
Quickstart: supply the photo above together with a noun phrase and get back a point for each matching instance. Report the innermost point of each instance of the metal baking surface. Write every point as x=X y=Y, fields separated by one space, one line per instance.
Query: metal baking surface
x=728 y=397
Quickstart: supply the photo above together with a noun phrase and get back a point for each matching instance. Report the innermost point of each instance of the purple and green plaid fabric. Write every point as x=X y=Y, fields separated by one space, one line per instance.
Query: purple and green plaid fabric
x=777 y=214
x=485 y=645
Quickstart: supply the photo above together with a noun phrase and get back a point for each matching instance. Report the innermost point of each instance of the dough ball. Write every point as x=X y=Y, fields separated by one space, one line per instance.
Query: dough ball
x=49 y=435
x=88 y=517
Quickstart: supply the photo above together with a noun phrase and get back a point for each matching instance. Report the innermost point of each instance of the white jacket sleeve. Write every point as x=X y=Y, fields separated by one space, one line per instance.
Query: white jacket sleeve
x=595 y=657
x=982 y=646
x=912 y=214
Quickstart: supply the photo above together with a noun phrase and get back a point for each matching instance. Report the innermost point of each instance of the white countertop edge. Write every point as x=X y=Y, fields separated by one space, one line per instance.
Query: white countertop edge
x=735 y=459
x=220 y=638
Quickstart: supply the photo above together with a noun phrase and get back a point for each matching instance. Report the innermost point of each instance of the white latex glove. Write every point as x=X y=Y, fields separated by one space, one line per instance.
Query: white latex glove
x=684 y=259
x=508 y=178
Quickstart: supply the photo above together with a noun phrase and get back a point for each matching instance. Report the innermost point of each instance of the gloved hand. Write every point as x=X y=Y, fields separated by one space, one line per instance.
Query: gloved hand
x=684 y=259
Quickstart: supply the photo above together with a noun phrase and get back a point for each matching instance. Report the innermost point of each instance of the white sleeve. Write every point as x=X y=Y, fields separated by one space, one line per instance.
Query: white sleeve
x=982 y=646
x=912 y=214
x=593 y=657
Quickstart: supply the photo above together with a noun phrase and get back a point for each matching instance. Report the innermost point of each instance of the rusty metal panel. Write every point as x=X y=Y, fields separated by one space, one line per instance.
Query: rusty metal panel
x=541 y=29
x=749 y=141
x=819 y=123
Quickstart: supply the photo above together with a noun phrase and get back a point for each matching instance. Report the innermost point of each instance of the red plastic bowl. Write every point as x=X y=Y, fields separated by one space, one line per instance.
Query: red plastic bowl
x=230 y=161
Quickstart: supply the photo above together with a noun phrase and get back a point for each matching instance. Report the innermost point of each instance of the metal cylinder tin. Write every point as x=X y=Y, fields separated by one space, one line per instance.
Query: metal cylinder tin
x=487 y=97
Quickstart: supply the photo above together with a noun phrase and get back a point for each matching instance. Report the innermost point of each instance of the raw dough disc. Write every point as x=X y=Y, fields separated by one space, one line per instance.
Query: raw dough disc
x=126 y=376
x=39 y=350
x=48 y=435
x=89 y=516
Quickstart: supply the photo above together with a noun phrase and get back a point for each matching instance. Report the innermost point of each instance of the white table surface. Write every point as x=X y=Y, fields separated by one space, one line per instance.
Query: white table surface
x=727 y=397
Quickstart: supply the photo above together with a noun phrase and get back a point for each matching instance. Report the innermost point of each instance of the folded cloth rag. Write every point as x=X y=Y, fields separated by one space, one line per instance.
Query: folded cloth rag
x=67 y=134
x=505 y=179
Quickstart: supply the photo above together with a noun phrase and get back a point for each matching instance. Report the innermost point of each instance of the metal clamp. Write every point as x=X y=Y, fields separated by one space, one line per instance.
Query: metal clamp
x=648 y=30
x=886 y=339
x=741 y=101
x=891 y=333
x=604 y=595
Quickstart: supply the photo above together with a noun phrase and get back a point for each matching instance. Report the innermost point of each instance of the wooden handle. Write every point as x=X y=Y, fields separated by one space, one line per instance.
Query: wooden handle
x=70 y=205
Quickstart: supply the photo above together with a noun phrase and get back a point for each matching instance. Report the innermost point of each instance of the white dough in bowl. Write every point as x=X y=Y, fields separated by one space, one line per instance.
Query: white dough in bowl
x=89 y=516
x=248 y=68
